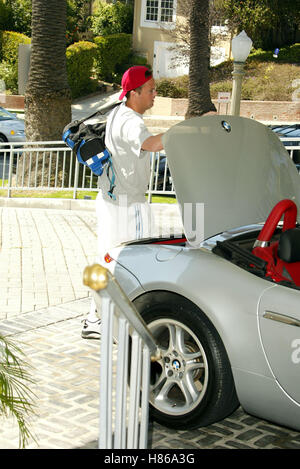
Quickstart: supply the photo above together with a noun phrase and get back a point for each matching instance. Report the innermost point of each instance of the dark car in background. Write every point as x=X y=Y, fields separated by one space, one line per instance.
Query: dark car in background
x=162 y=179
x=289 y=131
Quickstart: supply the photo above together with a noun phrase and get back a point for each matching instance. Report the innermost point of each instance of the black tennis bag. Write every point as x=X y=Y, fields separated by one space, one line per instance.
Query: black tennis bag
x=88 y=144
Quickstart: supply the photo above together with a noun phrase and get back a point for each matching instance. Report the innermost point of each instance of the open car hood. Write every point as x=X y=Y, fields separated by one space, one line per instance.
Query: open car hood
x=232 y=170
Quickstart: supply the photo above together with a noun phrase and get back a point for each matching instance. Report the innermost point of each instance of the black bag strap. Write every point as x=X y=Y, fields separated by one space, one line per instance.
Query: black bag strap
x=102 y=112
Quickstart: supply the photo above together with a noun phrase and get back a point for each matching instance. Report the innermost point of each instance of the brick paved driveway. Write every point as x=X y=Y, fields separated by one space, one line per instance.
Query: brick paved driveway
x=42 y=304
x=66 y=369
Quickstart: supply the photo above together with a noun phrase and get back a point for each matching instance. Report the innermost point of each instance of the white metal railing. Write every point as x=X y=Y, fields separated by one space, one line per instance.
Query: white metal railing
x=52 y=166
x=40 y=166
x=125 y=372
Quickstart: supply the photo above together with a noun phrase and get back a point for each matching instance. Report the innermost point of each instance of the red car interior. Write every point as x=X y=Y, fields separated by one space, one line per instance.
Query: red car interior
x=283 y=255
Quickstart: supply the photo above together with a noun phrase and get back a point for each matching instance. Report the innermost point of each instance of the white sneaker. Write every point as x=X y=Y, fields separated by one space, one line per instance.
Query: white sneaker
x=91 y=330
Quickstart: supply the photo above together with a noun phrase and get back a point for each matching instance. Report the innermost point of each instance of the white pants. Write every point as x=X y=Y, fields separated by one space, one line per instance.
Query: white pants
x=118 y=223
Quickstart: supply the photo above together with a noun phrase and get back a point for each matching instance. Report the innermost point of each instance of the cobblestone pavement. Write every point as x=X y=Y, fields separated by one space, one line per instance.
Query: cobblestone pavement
x=43 y=252
x=66 y=370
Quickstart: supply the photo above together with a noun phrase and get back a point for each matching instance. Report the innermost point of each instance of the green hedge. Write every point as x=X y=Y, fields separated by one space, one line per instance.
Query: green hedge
x=112 y=51
x=287 y=54
x=173 y=87
x=9 y=74
x=9 y=50
x=80 y=61
x=9 y=45
x=112 y=18
x=5 y=16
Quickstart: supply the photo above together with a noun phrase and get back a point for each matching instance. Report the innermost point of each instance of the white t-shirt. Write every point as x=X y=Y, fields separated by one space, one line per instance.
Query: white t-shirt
x=125 y=134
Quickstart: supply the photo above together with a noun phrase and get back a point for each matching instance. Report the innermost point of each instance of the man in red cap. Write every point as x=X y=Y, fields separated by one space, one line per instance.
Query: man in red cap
x=126 y=216
x=139 y=88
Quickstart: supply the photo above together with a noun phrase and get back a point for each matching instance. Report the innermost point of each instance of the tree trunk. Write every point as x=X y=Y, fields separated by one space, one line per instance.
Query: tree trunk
x=199 y=91
x=47 y=96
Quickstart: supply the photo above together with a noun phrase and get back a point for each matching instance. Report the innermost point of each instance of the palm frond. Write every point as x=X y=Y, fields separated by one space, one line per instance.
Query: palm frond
x=16 y=395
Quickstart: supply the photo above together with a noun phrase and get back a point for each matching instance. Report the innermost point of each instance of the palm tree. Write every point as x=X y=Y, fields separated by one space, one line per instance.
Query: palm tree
x=47 y=97
x=16 y=397
x=199 y=92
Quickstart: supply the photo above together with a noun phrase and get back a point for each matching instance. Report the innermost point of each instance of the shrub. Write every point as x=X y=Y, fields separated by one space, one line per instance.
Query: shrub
x=264 y=80
x=112 y=18
x=9 y=51
x=215 y=88
x=221 y=71
x=137 y=60
x=9 y=74
x=6 y=18
x=112 y=51
x=289 y=54
x=130 y=62
x=9 y=45
x=16 y=16
x=173 y=87
x=80 y=61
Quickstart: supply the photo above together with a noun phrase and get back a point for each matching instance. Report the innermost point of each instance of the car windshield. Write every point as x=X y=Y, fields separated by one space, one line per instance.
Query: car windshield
x=287 y=131
x=5 y=115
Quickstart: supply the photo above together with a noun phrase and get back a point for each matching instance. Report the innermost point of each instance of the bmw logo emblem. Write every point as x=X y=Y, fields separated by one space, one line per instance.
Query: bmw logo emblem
x=226 y=126
x=176 y=365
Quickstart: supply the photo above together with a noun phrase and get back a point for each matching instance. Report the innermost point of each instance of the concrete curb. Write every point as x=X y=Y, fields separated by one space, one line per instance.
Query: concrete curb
x=66 y=204
x=51 y=203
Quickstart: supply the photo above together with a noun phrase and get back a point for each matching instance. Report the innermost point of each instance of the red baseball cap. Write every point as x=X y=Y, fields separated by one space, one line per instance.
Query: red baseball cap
x=133 y=78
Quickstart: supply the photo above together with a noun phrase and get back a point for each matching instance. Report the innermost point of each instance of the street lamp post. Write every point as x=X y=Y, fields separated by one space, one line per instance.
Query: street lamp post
x=241 y=46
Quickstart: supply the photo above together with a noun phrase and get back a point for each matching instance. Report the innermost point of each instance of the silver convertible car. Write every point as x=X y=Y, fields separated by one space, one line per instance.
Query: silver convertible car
x=223 y=300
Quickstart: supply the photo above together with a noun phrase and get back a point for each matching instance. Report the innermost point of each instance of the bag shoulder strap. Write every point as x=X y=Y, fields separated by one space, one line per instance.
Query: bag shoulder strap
x=110 y=167
x=102 y=112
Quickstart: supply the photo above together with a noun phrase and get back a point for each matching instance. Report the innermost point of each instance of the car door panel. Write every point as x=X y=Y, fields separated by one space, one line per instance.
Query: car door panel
x=279 y=327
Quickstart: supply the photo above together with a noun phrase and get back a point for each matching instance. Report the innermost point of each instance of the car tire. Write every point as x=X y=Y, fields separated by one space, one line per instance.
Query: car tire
x=3 y=139
x=191 y=384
